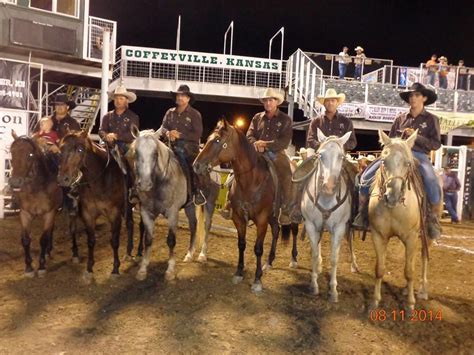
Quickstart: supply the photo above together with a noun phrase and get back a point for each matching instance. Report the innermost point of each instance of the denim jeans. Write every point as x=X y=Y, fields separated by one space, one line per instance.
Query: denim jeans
x=443 y=81
x=451 y=201
x=358 y=71
x=431 y=78
x=342 y=70
x=427 y=172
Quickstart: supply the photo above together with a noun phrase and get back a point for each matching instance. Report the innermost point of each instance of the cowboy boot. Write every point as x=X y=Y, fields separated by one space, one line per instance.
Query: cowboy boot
x=296 y=215
x=361 y=221
x=284 y=217
x=433 y=216
x=226 y=211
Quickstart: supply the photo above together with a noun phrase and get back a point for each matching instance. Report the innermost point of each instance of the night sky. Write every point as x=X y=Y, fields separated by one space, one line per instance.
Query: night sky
x=406 y=31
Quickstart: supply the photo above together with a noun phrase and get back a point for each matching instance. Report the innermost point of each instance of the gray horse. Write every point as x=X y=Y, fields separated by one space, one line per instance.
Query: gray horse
x=161 y=187
x=327 y=204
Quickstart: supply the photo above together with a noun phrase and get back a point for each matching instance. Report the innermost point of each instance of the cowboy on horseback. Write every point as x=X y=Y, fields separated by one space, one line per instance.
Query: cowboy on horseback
x=428 y=139
x=331 y=123
x=182 y=126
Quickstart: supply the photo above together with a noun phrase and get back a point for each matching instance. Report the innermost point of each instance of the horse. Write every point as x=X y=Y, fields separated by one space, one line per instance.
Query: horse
x=395 y=210
x=33 y=179
x=326 y=204
x=252 y=193
x=91 y=171
x=161 y=186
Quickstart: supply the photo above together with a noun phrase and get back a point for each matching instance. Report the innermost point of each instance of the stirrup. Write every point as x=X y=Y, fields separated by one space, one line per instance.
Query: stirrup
x=201 y=201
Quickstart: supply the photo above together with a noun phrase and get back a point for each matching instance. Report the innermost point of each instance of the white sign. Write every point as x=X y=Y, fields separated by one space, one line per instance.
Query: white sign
x=352 y=110
x=171 y=56
x=383 y=113
x=12 y=120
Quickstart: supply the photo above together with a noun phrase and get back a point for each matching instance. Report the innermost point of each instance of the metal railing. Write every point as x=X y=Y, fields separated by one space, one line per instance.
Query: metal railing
x=449 y=77
x=95 y=32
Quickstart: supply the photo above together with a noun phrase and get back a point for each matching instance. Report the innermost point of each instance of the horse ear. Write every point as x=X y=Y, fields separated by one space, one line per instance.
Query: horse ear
x=135 y=131
x=84 y=134
x=321 y=136
x=411 y=140
x=14 y=135
x=345 y=137
x=383 y=138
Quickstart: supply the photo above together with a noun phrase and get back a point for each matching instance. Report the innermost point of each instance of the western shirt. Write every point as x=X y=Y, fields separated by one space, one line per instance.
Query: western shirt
x=337 y=126
x=277 y=130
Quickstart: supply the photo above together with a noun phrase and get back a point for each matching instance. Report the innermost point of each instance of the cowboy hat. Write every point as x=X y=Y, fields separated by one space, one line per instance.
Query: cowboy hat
x=184 y=90
x=370 y=157
x=418 y=87
x=442 y=58
x=362 y=157
x=359 y=48
x=332 y=94
x=122 y=91
x=302 y=151
x=61 y=99
x=271 y=93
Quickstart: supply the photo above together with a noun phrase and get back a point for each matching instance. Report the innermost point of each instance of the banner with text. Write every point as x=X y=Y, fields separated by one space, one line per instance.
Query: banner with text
x=171 y=56
x=12 y=120
x=13 y=84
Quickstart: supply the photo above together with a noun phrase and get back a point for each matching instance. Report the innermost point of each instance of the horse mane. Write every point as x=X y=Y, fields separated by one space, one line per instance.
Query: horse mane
x=248 y=148
x=43 y=163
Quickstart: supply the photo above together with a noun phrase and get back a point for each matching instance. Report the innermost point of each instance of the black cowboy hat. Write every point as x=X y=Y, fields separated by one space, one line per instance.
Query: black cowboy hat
x=430 y=95
x=62 y=99
x=184 y=90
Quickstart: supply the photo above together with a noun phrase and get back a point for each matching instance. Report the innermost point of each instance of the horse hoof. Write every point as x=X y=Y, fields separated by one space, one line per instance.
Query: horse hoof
x=188 y=258
x=315 y=290
x=29 y=274
x=237 y=279
x=266 y=267
x=42 y=273
x=334 y=298
x=87 y=277
x=170 y=275
x=422 y=296
x=293 y=264
x=405 y=291
x=138 y=259
x=141 y=275
x=257 y=287
x=75 y=260
x=128 y=258
x=409 y=308
x=114 y=276
x=202 y=258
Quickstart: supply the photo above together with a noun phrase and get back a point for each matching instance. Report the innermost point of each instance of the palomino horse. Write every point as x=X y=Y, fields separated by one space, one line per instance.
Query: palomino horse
x=252 y=193
x=394 y=210
x=327 y=204
x=34 y=182
x=161 y=186
x=102 y=190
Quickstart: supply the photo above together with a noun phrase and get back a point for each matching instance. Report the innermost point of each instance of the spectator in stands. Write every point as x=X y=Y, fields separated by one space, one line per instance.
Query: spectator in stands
x=432 y=67
x=443 y=71
x=462 y=74
x=451 y=187
x=358 y=61
x=343 y=59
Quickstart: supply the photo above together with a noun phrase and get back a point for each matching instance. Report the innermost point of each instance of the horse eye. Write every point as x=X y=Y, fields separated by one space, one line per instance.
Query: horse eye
x=217 y=140
x=80 y=149
x=31 y=155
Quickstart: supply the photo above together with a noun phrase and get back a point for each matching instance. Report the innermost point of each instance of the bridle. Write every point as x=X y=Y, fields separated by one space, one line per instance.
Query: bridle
x=385 y=181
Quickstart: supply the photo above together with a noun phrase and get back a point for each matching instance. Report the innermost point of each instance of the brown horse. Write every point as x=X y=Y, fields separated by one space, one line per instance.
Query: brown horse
x=394 y=210
x=101 y=185
x=33 y=179
x=252 y=193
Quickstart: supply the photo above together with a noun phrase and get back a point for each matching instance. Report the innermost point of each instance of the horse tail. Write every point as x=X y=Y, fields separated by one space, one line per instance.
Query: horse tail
x=285 y=233
x=200 y=228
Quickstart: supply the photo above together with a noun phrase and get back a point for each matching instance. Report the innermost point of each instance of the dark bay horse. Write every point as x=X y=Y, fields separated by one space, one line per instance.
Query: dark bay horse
x=161 y=186
x=33 y=179
x=252 y=193
x=102 y=190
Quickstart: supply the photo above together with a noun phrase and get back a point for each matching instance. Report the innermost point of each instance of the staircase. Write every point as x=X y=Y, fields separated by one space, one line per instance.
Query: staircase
x=88 y=107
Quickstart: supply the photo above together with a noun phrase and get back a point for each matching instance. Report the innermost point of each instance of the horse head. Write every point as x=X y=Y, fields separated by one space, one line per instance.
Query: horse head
x=73 y=147
x=330 y=156
x=397 y=161
x=219 y=148
x=26 y=157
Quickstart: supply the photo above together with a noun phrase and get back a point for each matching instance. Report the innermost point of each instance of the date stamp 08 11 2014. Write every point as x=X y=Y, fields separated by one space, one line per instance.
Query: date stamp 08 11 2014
x=415 y=315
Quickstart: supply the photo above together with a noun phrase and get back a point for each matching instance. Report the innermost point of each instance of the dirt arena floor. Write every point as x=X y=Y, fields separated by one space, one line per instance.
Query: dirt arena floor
x=202 y=311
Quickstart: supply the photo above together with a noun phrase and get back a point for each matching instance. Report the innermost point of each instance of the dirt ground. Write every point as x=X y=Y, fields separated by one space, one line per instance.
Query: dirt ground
x=202 y=311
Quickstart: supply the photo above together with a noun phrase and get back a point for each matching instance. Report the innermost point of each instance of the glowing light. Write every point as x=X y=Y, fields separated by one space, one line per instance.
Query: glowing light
x=240 y=122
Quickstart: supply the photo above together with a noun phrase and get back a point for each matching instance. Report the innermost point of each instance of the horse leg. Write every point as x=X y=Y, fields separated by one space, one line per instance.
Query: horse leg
x=423 y=291
x=190 y=212
x=380 y=245
x=141 y=243
x=262 y=226
x=72 y=231
x=241 y=226
x=337 y=235
x=410 y=249
x=129 y=225
x=294 y=250
x=275 y=233
x=115 y=225
x=316 y=260
x=46 y=240
x=26 y=219
x=89 y=222
x=149 y=225
x=208 y=212
x=350 y=240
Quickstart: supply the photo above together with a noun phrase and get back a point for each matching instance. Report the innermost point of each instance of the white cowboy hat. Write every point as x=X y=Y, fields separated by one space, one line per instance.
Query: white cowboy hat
x=271 y=93
x=359 y=48
x=362 y=157
x=370 y=157
x=332 y=94
x=121 y=90
x=302 y=151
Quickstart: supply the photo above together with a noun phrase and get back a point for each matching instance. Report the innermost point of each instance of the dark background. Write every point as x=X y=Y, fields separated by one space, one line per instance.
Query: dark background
x=406 y=31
